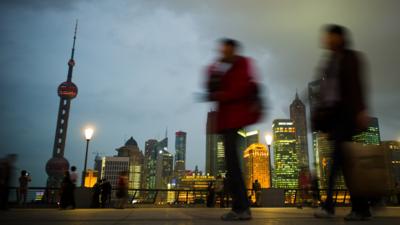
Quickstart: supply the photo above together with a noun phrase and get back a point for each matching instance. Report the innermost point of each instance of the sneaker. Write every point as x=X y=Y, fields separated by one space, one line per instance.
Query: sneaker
x=231 y=216
x=353 y=216
x=323 y=213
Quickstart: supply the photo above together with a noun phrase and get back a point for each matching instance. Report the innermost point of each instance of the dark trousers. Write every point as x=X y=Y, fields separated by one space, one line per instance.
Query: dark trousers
x=240 y=202
x=339 y=135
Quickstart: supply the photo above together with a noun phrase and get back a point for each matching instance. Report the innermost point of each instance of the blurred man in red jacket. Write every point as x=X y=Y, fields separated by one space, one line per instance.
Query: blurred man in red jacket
x=231 y=84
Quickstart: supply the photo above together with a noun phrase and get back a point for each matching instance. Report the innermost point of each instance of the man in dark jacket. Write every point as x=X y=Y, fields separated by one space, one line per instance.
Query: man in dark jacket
x=342 y=111
x=231 y=84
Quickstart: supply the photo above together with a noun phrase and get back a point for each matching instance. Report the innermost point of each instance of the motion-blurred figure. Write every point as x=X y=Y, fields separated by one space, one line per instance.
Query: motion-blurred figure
x=342 y=112
x=122 y=190
x=67 y=192
x=6 y=170
x=96 y=189
x=210 y=195
x=23 y=180
x=74 y=180
x=106 y=189
x=304 y=186
x=257 y=192
x=231 y=84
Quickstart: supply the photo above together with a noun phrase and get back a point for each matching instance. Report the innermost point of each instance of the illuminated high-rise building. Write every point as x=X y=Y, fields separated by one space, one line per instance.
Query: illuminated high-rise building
x=136 y=159
x=394 y=156
x=298 y=116
x=215 y=151
x=164 y=171
x=112 y=166
x=245 y=139
x=286 y=161
x=180 y=154
x=150 y=161
x=256 y=165
x=322 y=146
x=372 y=135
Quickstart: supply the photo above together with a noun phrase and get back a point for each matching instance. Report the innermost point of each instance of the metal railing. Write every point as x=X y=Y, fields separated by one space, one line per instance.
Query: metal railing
x=44 y=197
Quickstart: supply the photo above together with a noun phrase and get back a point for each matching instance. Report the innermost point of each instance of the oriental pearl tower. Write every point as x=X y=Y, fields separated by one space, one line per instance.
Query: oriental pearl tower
x=67 y=91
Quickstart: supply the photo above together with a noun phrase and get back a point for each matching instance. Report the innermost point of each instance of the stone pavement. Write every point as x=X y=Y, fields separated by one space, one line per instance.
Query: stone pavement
x=180 y=216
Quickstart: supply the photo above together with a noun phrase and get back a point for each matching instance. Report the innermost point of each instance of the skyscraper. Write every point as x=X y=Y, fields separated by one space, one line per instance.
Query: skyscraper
x=111 y=168
x=67 y=91
x=286 y=161
x=150 y=161
x=298 y=116
x=394 y=156
x=180 y=154
x=164 y=171
x=136 y=160
x=256 y=165
x=372 y=135
x=215 y=151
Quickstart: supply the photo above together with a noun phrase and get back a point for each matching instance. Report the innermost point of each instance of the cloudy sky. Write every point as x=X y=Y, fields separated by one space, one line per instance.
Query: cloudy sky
x=139 y=64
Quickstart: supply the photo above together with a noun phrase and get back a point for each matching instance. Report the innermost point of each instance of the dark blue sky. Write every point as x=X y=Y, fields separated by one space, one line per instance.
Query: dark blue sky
x=138 y=64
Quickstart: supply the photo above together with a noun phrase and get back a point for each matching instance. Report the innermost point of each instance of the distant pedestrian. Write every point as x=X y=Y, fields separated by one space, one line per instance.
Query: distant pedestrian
x=257 y=192
x=96 y=190
x=106 y=189
x=6 y=170
x=210 y=195
x=231 y=83
x=74 y=180
x=122 y=190
x=67 y=189
x=304 y=186
x=23 y=180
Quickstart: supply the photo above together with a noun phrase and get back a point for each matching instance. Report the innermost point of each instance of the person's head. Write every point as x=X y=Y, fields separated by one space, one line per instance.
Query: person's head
x=256 y=181
x=228 y=47
x=23 y=173
x=66 y=174
x=73 y=168
x=335 y=37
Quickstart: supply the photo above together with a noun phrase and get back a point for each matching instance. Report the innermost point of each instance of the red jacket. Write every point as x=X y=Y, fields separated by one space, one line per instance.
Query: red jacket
x=237 y=107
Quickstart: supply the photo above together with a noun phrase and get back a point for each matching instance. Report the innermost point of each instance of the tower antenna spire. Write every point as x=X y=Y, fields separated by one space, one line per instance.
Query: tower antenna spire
x=73 y=44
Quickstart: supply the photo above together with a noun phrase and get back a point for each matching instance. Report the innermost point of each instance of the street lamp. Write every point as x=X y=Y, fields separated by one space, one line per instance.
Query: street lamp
x=88 y=135
x=268 y=140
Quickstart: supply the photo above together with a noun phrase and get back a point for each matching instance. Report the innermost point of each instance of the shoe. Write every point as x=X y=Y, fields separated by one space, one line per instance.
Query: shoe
x=323 y=213
x=232 y=216
x=353 y=216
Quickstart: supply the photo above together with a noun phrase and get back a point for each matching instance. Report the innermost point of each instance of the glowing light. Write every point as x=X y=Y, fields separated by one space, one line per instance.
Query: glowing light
x=268 y=139
x=89 y=133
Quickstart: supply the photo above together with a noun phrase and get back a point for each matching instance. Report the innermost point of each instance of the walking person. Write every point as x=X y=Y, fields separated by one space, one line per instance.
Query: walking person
x=74 y=180
x=231 y=84
x=210 y=195
x=106 y=189
x=342 y=112
x=23 y=180
x=257 y=192
x=96 y=189
x=67 y=188
x=304 y=186
x=122 y=190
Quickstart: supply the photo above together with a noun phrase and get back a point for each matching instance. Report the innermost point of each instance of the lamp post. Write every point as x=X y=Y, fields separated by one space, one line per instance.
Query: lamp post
x=268 y=140
x=88 y=135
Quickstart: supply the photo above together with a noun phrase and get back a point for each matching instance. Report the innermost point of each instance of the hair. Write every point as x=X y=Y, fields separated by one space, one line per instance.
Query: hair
x=230 y=42
x=23 y=172
x=339 y=30
x=73 y=168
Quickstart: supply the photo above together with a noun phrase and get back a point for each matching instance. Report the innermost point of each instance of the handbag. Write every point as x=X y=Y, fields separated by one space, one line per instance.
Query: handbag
x=367 y=170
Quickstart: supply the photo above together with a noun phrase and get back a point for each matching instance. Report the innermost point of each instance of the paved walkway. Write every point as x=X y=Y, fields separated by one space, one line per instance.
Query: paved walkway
x=179 y=216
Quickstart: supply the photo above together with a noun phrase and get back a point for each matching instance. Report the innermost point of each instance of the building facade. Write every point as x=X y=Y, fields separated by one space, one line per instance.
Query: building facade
x=111 y=168
x=286 y=161
x=256 y=165
x=394 y=157
x=298 y=116
x=215 y=150
x=150 y=161
x=372 y=136
x=180 y=154
x=164 y=171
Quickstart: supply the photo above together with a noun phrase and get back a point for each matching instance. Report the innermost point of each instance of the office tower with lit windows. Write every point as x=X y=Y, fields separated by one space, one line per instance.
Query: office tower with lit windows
x=286 y=161
x=136 y=160
x=164 y=169
x=298 y=116
x=394 y=157
x=321 y=145
x=371 y=136
x=111 y=168
x=256 y=165
x=180 y=154
x=245 y=139
x=150 y=161
x=215 y=151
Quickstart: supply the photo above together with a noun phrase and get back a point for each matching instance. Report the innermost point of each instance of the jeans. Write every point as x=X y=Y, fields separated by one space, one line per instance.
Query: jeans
x=238 y=191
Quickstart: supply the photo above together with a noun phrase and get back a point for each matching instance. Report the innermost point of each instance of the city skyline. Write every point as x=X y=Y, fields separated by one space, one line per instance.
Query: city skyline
x=139 y=70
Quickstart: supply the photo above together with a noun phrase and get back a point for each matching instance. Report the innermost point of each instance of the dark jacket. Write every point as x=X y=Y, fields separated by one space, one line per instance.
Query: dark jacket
x=351 y=102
